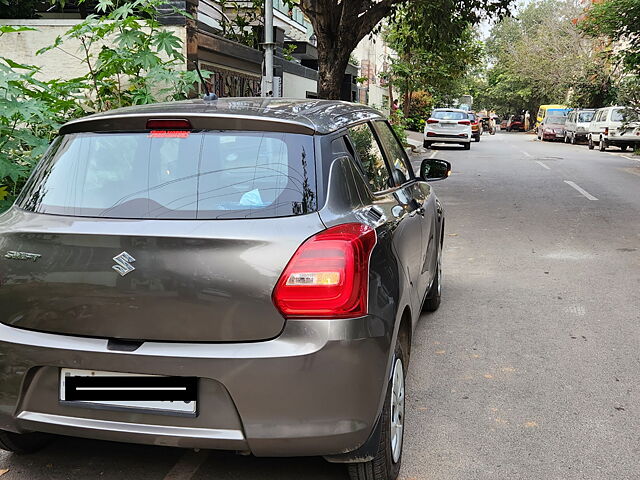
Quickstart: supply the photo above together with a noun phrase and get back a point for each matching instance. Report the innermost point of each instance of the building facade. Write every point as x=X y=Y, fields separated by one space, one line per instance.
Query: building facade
x=236 y=68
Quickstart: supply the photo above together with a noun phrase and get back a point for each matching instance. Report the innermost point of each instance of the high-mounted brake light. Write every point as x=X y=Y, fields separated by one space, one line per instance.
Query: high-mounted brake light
x=328 y=276
x=168 y=124
x=433 y=120
x=464 y=122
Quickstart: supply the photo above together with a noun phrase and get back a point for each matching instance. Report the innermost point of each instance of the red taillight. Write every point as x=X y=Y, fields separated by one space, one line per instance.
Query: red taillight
x=328 y=276
x=464 y=122
x=433 y=120
x=168 y=124
x=606 y=130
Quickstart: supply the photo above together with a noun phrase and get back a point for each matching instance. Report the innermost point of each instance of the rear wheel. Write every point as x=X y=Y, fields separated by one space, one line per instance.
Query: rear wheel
x=23 y=443
x=477 y=138
x=602 y=145
x=426 y=144
x=623 y=148
x=432 y=301
x=467 y=146
x=386 y=463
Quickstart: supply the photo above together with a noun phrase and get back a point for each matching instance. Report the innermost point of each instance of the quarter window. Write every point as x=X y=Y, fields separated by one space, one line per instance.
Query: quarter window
x=370 y=156
x=395 y=153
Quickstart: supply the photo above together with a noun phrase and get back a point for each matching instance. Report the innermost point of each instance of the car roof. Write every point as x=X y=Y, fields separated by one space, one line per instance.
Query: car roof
x=449 y=110
x=307 y=116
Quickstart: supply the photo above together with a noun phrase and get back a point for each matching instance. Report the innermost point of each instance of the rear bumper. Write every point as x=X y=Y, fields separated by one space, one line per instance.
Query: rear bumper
x=315 y=390
x=621 y=141
x=444 y=138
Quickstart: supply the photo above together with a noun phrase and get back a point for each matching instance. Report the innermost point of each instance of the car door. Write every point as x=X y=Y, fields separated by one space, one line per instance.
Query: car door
x=418 y=195
x=597 y=126
x=392 y=202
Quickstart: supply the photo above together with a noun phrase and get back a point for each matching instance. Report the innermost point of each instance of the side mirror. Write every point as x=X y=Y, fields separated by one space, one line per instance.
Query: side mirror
x=433 y=169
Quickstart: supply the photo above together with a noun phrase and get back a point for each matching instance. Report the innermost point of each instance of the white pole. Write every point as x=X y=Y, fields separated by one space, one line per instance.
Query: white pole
x=267 y=90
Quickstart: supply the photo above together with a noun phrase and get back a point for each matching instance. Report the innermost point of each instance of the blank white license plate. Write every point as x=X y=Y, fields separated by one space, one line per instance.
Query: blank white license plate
x=179 y=406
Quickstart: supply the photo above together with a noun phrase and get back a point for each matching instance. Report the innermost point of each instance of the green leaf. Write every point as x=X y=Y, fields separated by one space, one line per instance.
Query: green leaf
x=15 y=28
x=166 y=41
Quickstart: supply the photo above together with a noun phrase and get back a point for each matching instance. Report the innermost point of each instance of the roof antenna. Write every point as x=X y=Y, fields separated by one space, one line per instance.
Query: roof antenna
x=208 y=97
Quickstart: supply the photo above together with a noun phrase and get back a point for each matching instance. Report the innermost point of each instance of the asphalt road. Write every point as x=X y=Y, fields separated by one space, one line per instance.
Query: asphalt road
x=529 y=369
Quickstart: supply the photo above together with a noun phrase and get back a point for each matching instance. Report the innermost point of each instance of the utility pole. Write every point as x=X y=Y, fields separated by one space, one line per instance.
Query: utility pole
x=267 y=79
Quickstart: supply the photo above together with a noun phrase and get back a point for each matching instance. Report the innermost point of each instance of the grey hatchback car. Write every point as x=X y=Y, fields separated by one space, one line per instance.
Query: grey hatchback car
x=242 y=274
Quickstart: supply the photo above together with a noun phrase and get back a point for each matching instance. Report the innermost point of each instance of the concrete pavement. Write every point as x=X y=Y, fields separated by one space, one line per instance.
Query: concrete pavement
x=529 y=369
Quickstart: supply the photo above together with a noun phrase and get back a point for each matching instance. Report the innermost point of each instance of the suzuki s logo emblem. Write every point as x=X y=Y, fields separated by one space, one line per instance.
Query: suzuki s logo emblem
x=124 y=261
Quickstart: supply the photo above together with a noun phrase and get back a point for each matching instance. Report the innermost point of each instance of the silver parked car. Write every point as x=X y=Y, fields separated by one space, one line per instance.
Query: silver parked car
x=576 y=127
x=242 y=274
x=448 y=125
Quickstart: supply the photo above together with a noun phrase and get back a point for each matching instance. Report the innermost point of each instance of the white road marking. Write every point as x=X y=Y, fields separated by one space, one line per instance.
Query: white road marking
x=433 y=154
x=526 y=154
x=188 y=465
x=542 y=164
x=580 y=189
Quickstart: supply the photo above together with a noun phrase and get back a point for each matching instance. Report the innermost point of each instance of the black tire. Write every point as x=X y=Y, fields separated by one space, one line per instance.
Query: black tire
x=623 y=148
x=23 y=443
x=602 y=145
x=573 y=139
x=477 y=138
x=466 y=146
x=383 y=466
x=426 y=144
x=434 y=296
x=591 y=145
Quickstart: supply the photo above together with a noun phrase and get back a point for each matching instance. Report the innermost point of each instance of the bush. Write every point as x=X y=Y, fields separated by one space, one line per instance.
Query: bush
x=419 y=110
x=399 y=125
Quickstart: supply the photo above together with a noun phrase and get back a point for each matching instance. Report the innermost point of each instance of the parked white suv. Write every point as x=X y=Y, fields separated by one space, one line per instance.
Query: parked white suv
x=448 y=125
x=577 y=125
x=606 y=130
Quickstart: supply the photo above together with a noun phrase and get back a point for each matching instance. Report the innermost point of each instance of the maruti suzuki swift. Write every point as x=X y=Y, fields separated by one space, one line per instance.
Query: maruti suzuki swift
x=241 y=274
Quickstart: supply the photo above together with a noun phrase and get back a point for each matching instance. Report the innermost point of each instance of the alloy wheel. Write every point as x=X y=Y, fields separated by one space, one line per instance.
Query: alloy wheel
x=397 y=410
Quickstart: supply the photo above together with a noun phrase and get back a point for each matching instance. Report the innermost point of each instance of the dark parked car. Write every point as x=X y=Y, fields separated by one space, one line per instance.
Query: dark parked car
x=515 y=122
x=476 y=126
x=552 y=128
x=243 y=274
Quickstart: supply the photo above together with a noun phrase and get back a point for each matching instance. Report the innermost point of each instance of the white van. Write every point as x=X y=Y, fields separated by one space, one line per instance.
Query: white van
x=577 y=125
x=606 y=130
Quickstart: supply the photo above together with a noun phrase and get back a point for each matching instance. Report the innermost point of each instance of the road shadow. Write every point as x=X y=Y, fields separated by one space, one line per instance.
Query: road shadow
x=70 y=458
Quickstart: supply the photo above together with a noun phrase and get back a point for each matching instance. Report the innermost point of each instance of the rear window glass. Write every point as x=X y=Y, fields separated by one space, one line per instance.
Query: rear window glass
x=446 y=115
x=585 y=116
x=186 y=175
x=472 y=117
x=619 y=115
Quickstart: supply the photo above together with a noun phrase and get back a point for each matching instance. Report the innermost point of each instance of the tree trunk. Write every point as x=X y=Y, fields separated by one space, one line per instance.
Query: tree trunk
x=332 y=63
x=339 y=26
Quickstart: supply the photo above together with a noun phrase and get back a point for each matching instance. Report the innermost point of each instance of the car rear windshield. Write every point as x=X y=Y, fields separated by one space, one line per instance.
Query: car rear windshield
x=183 y=175
x=447 y=115
x=472 y=117
x=585 y=116
x=619 y=115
